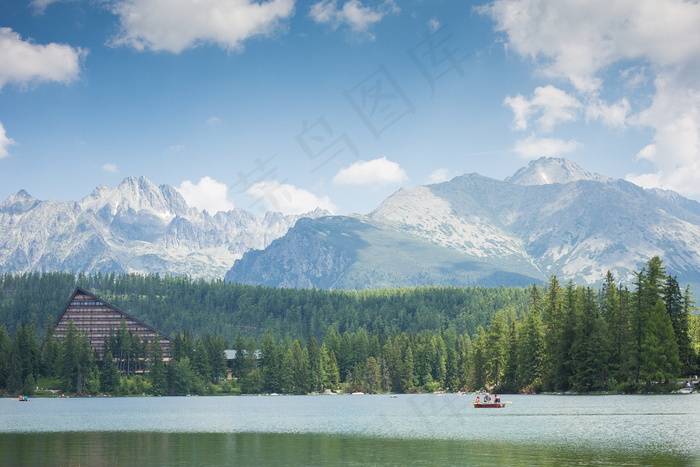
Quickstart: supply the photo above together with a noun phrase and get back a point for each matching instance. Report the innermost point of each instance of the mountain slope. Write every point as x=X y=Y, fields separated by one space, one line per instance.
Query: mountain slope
x=357 y=253
x=551 y=217
x=135 y=227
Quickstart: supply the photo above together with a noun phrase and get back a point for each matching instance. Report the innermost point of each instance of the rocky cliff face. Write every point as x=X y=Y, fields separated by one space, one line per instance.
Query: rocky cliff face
x=135 y=227
x=551 y=217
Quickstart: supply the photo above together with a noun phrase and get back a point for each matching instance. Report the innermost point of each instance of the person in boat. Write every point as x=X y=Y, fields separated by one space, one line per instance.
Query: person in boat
x=496 y=399
x=487 y=399
x=478 y=400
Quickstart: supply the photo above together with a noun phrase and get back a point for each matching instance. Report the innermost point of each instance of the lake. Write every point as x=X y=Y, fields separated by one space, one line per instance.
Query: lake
x=351 y=430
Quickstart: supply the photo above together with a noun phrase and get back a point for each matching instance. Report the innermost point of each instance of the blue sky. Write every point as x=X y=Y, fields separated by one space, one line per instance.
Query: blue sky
x=288 y=105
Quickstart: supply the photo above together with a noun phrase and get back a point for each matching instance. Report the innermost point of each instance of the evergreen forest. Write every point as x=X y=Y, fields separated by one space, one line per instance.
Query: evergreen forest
x=545 y=338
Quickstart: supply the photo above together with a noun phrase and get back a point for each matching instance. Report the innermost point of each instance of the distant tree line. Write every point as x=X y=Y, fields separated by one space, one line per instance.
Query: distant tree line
x=173 y=304
x=559 y=338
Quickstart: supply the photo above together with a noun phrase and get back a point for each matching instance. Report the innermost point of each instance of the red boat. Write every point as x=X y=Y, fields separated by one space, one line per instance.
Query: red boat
x=488 y=405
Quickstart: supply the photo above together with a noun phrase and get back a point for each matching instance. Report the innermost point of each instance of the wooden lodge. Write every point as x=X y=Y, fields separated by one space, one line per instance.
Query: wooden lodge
x=98 y=320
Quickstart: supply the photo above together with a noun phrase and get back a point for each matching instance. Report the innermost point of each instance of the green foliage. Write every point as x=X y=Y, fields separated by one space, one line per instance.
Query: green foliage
x=132 y=386
x=549 y=338
x=109 y=374
x=660 y=362
x=182 y=379
x=177 y=304
x=78 y=370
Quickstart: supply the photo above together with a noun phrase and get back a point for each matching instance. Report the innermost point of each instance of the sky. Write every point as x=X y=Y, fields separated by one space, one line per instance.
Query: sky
x=289 y=105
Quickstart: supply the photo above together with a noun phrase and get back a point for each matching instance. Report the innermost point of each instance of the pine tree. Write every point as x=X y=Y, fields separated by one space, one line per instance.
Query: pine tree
x=689 y=305
x=23 y=358
x=4 y=357
x=109 y=375
x=78 y=361
x=589 y=350
x=157 y=373
x=302 y=369
x=660 y=362
x=531 y=347
x=200 y=361
x=649 y=284
x=394 y=363
x=270 y=364
x=372 y=376
x=287 y=375
x=182 y=379
x=678 y=312
x=317 y=372
x=497 y=345
x=452 y=370
x=479 y=362
x=509 y=381
x=553 y=322
x=407 y=376
x=439 y=360
x=464 y=358
x=332 y=375
x=571 y=311
x=615 y=312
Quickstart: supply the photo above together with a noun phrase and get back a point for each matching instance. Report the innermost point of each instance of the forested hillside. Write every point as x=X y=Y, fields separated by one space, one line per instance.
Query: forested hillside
x=177 y=304
x=551 y=338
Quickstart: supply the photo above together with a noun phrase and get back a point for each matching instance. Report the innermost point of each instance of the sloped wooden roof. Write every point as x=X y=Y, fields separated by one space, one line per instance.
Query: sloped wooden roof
x=81 y=291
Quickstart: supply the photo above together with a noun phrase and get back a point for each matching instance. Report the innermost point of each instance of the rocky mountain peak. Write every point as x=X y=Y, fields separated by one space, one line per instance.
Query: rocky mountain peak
x=133 y=227
x=18 y=203
x=550 y=170
x=137 y=194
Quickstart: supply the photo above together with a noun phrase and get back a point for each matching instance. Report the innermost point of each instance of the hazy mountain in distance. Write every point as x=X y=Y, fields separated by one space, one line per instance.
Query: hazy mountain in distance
x=551 y=217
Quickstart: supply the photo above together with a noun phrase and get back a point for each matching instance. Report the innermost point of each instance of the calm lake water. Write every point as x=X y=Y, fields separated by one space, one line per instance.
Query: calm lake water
x=352 y=430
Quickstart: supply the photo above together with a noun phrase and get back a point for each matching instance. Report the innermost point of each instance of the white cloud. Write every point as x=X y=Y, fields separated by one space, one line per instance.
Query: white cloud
x=434 y=25
x=580 y=41
x=675 y=150
x=534 y=147
x=288 y=199
x=553 y=106
x=377 y=172
x=439 y=176
x=208 y=195
x=353 y=14
x=213 y=121
x=614 y=115
x=40 y=5
x=110 y=167
x=574 y=40
x=24 y=62
x=634 y=76
x=5 y=142
x=176 y=25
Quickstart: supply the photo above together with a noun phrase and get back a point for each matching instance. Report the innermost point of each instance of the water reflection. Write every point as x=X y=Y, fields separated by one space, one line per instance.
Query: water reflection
x=260 y=449
x=351 y=430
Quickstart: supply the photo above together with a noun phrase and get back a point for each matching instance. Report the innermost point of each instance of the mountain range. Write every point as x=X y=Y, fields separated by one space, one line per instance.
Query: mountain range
x=134 y=227
x=551 y=217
